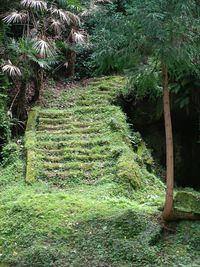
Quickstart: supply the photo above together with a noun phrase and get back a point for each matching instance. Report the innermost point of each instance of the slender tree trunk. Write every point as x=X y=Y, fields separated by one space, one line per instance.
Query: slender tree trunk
x=71 y=64
x=38 y=84
x=19 y=108
x=168 y=208
x=71 y=55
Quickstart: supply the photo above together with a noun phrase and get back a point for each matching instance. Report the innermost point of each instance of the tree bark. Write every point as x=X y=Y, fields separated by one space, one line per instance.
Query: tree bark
x=71 y=55
x=38 y=85
x=19 y=108
x=71 y=64
x=169 y=201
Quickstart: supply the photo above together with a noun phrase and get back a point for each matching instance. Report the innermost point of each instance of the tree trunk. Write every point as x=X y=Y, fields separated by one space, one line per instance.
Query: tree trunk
x=71 y=55
x=38 y=84
x=168 y=208
x=19 y=108
x=71 y=64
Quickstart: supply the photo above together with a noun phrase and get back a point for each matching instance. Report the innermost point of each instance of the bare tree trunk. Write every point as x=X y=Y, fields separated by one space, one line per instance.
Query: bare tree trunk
x=38 y=85
x=71 y=55
x=169 y=205
x=19 y=108
x=71 y=64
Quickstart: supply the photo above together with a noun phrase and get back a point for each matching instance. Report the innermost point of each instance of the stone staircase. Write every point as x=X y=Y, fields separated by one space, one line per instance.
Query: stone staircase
x=77 y=143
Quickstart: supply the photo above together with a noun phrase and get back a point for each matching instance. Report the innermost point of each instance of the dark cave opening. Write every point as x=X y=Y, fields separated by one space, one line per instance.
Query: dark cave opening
x=186 y=134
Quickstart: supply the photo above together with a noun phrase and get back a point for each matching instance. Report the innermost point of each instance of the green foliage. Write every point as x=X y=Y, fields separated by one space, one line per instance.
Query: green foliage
x=12 y=167
x=42 y=226
x=10 y=153
x=128 y=171
x=182 y=246
x=4 y=118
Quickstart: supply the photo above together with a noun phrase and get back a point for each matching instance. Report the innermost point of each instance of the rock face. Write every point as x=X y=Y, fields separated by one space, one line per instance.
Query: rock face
x=186 y=201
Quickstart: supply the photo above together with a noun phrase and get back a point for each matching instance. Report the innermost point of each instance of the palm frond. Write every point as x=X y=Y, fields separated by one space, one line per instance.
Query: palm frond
x=65 y=16
x=74 y=19
x=56 y=26
x=16 y=17
x=44 y=48
x=36 y=4
x=11 y=69
x=79 y=37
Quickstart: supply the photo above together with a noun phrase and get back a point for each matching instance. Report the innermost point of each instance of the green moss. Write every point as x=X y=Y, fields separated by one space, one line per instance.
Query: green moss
x=128 y=171
x=31 y=166
x=30 y=145
x=32 y=119
x=187 y=201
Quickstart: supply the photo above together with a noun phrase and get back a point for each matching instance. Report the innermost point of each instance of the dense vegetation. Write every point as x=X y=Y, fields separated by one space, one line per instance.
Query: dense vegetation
x=89 y=172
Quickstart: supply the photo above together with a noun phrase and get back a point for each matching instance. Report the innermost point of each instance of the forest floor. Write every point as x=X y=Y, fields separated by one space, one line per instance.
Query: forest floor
x=94 y=201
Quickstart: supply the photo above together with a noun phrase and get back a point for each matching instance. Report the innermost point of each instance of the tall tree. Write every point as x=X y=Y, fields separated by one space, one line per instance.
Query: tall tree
x=162 y=36
x=168 y=32
x=40 y=28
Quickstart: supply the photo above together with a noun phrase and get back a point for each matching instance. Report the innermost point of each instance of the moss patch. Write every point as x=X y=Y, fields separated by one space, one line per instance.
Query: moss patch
x=187 y=201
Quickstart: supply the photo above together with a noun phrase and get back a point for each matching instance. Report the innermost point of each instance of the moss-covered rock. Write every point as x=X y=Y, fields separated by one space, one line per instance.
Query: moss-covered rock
x=30 y=145
x=187 y=201
x=128 y=171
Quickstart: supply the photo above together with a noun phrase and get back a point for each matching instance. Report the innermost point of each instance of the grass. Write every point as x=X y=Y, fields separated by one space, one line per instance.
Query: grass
x=94 y=203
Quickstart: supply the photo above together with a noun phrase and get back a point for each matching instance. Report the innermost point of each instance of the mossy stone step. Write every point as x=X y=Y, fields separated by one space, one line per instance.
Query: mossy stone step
x=67 y=137
x=77 y=118
x=52 y=158
x=72 y=111
x=52 y=152
x=85 y=130
x=55 y=113
x=73 y=150
x=87 y=151
x=71 y=126
x=81 y=174
x=74 y=157
x=62 y=174
x=72 y=143
x=55 y=121
x=82 y=102
x=76 y=165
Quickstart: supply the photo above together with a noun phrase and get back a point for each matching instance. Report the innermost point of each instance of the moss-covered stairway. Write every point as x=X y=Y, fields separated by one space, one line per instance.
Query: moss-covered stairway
x=82 y=210
x=81 y=137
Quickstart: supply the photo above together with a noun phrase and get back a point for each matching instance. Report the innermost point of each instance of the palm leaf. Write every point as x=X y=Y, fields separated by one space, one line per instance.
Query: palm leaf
x=16 y=17
x=36 y=4
x=44 y=48
x=65 y=16
x=11 y=69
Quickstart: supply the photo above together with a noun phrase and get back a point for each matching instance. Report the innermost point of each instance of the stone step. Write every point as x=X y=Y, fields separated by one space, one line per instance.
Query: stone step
x=71 y=125
x=73 y=157
x=63 y=144
x=52 y=131
x=68 y=137
x=76 y=165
